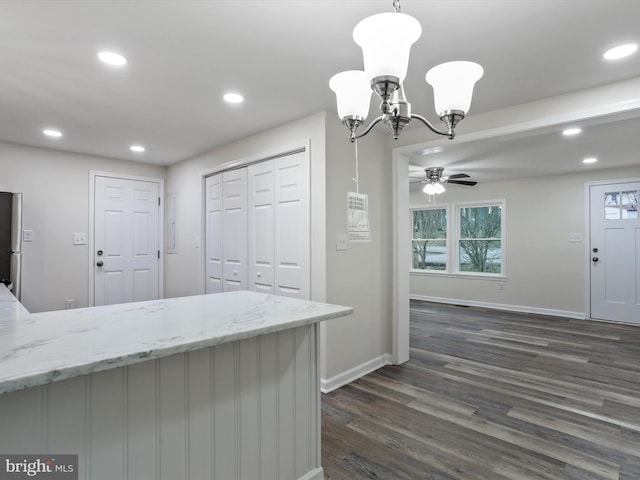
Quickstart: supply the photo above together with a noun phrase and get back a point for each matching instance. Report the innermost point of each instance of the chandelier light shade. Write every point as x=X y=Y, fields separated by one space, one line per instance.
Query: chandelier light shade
x=353 y=94
x=386 y=40
x=452 y=84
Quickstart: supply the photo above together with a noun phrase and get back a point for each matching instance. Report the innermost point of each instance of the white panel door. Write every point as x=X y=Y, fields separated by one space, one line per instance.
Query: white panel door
x=615 y=252
x=261 y=226
x=213 y=234
x=234 y=230
x=126 y=240
x=292 y=226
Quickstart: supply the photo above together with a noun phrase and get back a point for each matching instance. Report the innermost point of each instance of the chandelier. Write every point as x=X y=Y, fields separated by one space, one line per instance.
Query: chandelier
x=386 y=40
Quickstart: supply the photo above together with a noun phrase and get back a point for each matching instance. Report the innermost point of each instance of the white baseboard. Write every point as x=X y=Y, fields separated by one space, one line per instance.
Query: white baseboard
x=315 y=474
x=500 y=306
x=354 y=373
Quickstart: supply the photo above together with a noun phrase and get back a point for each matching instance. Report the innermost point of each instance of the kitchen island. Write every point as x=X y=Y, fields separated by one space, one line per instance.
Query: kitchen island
x=222 y=386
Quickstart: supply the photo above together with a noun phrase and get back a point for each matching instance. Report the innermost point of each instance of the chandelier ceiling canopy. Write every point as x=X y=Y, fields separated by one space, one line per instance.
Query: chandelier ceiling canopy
x=386 y=40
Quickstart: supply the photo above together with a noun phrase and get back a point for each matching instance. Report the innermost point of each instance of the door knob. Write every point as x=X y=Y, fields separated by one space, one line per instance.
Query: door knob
x=595 y=259
x=99 y=263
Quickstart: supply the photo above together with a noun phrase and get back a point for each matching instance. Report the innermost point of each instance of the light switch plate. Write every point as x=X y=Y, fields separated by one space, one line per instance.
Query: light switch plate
x=342 y=241
x=575 y=237
x=79 y=238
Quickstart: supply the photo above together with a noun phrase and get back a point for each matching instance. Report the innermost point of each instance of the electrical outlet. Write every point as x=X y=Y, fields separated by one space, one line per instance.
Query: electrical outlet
x=27 y=235
x=69 y=303
x=501 y=285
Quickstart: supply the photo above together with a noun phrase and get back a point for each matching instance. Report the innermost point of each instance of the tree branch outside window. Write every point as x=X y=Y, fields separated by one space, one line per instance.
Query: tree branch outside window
x=480 y=239
x=429 y=244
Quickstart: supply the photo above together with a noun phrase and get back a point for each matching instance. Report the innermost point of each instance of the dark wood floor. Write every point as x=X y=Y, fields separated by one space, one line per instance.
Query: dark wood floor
x=491 y=395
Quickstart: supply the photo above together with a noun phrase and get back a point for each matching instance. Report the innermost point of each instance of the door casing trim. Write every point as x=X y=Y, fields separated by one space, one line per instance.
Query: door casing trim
x=91 y=241
x=587 y=243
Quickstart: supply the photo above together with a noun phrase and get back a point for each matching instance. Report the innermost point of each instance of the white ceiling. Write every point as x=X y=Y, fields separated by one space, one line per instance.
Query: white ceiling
x=612 y=140
x=183 y=55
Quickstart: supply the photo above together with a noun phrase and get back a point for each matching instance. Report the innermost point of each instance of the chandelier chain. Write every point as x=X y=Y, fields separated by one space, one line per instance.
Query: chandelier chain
x=357 y=177
x=396 y=6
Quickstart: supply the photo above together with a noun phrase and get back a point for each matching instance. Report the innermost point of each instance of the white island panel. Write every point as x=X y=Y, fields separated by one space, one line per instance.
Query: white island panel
x=241 y=404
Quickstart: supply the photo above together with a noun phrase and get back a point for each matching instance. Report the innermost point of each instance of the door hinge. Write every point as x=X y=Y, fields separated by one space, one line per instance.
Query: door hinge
x=158 y=253
x=158 y=201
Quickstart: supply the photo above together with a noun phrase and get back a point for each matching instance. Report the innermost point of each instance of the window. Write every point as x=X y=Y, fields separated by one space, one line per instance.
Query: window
x=621 y=205
x=475 y=245
x=480 y=239
x=429 y=243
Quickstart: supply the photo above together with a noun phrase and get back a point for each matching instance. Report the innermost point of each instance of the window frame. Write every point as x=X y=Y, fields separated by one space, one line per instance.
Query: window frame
x=447 y=209
x=458 y=206
x=453 y=239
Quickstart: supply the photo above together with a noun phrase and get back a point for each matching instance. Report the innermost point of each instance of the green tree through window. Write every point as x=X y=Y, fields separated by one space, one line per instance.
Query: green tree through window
x=429 y=244
x=469 y=241
x=480 y=239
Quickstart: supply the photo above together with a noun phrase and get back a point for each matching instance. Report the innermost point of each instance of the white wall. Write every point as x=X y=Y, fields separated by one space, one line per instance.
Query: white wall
x=55 y=205
x=359 y=277
x=183 y=270
x=616 y=98
x=545 y=272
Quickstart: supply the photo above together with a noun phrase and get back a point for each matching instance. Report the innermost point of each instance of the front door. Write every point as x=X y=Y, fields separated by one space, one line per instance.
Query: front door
x=126 y=240
x=615 y=252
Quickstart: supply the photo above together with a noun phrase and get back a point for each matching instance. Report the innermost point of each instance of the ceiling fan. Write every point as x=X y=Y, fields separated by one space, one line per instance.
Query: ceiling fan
x=434 y=180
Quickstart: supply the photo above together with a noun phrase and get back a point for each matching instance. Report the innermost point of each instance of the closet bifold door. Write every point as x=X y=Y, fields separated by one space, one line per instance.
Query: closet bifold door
x=213 y=234
x=261 y=226
x=257 y=228
x=234 y=230
x=292 y=226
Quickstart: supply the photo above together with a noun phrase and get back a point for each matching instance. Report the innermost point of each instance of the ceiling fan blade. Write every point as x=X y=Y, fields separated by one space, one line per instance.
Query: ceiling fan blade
x=416 y=180
x=458 y=175
x=462 y=182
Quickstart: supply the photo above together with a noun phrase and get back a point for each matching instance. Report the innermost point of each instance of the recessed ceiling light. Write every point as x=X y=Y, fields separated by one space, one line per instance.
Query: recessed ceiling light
x=571 y=131
x=432 y=150
x=136 y=148
x=50 y=132
x=590 y=160
x=620 y=51
x=112 y=58
x=233 y=98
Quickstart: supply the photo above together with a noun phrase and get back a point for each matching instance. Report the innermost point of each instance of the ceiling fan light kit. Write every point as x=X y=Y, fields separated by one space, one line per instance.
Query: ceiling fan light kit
x=433 y=188
x=386 y=40
x=434 y=180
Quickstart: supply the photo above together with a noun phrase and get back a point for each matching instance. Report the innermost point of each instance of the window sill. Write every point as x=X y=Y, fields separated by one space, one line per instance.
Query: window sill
x=473 y=276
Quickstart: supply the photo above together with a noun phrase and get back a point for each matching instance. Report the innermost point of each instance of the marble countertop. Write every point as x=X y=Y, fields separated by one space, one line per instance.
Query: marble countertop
x=43 y=347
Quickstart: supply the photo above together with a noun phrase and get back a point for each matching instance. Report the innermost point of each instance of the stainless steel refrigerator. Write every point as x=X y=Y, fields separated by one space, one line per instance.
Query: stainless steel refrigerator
x=11 y=241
